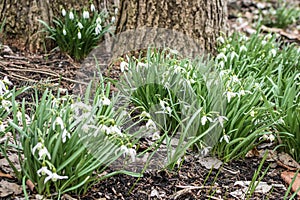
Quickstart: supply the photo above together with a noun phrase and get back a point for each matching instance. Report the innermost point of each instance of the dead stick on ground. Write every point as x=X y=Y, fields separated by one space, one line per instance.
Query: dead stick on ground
x=47 y=73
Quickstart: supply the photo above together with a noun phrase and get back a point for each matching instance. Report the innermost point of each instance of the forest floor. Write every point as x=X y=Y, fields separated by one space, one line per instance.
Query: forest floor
x=198 y=177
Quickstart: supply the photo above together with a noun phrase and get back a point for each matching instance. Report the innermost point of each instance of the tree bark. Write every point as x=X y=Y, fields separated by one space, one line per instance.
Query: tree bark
x=22 y=27
x=201 y=20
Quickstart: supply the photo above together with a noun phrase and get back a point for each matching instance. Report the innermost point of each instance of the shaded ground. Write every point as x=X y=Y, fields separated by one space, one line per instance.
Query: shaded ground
x=192 y=180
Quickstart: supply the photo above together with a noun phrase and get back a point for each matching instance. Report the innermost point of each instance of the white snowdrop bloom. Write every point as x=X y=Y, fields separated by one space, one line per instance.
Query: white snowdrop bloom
x=178 y=69
x=235 y=79
x=43 y=152
x=98 y=29
x=244 y=38
x=80 y=26
x=3 y=89
x=93 y=9
x=2 y=127
x=123 y=66
x=64 y=135
x=71 y=15
x=54 y=177
x=263 y=43
x=6 y=105
x=233 y=55
x=205 y=151
x=273 y=52
x=230 y=95
x=268 y=37
x=271 y=137
x=132 y=154
x=98 y=20
x=59 y=122
x=221 y=56
x=116 y=11
x=243 y=48
x=115 y=130
x=221 y=64
x=113 y=19
x=162 y=104
x=63 y=12
x=150 y=124
x=204 y=119
x=281 y=121
x=168 y=110
x=252 y=113
x=103 y=129
x=221 y=40
x=105 y=101
x=221 y=119
x=226 y=138
x=64 y=32
x=156 y=136
x=145 y=114
x=43 y=171
x=7 y=81
x=79 y=35
x=86 y=14
x=19 y=117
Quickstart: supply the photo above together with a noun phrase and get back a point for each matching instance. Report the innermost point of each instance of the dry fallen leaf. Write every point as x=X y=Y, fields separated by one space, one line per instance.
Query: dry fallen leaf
x=30 y=184
x=288 y=177
x=5 y=175
x=285 y=160
x=8 y=188
x=210 y=162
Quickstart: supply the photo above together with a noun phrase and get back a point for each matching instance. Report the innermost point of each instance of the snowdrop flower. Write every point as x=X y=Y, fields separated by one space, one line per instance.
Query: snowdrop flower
x=128 y=151
x=64 y=32
x=71 y=15
x=150 y=124
x=235 y=79
x=243 y=48
x=269 y=137
x=7 y=81
x=132 y=153
x=63 y=12
x=105 y=101
x=64 y=135
x=93 y=9
x=273 y=52
x=230 y=95
x=205 y=151
x=86 y=14
x=6 y=105
x=204 y=119
x=116 y=11
x=221 y=56
x=233 y=55
x=226 y=138
x=123 y=66
x=54 y=177
x=156 y=136
x=98 y=29
x=221 y=120
x=115 y=130
x=58 y=121
x=221 y=40
x=113 y=19
x=98 y=20
x=79 y=35
x=80 y=26
x=2 y=127
x=145 y=114
x=252 y=113
x=263 y=43
x=3 y=89
x=221 y=64
x=103 y=129
x=43 y=171
x=43 y=151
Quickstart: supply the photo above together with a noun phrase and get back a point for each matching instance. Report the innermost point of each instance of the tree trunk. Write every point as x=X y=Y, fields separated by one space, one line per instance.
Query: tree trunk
x=201 y=20
x=22 y=27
